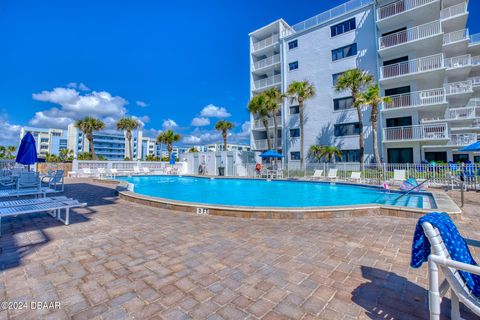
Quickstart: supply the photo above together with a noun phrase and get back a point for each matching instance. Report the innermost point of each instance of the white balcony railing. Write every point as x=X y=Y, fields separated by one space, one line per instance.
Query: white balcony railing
x=267 y=62
x=258 y=124
x=417 y=99
x=461 y=113
x=270 y=81
x=455 y=36
x=398 y=7
x=265 y=42
x=462 y=139
x=411 y=34
x=476 y=61
x=475 y=81
x=263 y=144
x=458 y=62
x=453 y=11
x=424 y=64
x=459 y=87
x=417 y=132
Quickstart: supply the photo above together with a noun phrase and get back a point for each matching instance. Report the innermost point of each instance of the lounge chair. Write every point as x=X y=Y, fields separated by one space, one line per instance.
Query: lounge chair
x=101 y=173
x=146 y=170
x=37 y=192
x=136 y=170
x=28 y=180
x=26 y=202
x=112 y=173
x=458 y=275
x=332 y=174
x=86 y=173
x=355 y=177
x=55 y=180
x=53 y=207
x=399 y=176
x=317 y=174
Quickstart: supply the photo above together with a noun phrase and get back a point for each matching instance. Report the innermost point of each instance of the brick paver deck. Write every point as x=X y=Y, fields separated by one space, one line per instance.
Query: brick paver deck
x=119 y=260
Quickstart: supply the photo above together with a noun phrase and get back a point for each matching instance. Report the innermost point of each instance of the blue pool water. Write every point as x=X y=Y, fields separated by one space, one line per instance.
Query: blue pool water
x=261 y=193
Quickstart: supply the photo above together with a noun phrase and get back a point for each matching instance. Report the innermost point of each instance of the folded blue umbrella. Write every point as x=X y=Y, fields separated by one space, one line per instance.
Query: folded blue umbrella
x=27 y=152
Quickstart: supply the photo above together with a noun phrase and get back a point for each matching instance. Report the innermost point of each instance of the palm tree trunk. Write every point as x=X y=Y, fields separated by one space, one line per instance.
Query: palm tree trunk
x=92 y=149
x=224 y=140
x=300 y=107
x=360 y=137
x=269 y=142
x=373 y=119
x=275 y=127
x=129 y=137
x=169 y=149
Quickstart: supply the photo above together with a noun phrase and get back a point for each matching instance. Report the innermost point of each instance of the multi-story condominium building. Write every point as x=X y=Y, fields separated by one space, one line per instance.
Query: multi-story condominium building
x=47 y=140
x=221 y=147
x=419 y=51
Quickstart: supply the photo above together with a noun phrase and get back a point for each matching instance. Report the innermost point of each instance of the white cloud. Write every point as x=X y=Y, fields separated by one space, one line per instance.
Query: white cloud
x=212 y=111
x=202 y=138
x=141 y=104
x=9 y=133
x=200 y=122
x=74 y=106
x=169 y=124
x=81 y=86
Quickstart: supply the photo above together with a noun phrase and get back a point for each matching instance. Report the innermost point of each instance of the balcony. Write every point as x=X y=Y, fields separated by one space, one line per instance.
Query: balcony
x=475 y=82
x=258 y=124
x=418 y=99
x=421 y=132
x=392 y=44
x=268 y=82
x=412 y=68
x=263 y=144
x=455 y=114
x=265 y=43
x=456 y=42
x=460 y=140
x=392 y=13
x=454 y=16
x=459 y=88
x=475 y=39
x=476 y=61
x=267 y=62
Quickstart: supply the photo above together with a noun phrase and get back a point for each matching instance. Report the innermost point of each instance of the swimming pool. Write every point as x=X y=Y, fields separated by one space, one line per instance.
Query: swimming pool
x=276 y=194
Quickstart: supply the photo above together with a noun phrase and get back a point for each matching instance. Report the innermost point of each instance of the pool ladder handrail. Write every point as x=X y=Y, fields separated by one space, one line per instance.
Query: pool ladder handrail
x=413 y=189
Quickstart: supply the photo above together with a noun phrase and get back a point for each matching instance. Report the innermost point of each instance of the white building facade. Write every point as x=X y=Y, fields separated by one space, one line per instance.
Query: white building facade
x=47 y=140
x=420 y=53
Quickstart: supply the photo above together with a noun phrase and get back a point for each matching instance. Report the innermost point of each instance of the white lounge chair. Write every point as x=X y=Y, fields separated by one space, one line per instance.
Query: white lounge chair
x=356 y=177
x=101 y=173
x=332 y=174
x=55 y=180
x=440 y=259
x=113 y=173
x=26 y=202
x=86 y=173
x=146 y=170
x=28 y=180
x=317 y=174
x=399 y=176
x=136 y=170
x=53 y=207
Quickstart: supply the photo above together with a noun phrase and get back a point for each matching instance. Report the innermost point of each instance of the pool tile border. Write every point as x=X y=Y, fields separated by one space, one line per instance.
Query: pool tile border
x=443 y=201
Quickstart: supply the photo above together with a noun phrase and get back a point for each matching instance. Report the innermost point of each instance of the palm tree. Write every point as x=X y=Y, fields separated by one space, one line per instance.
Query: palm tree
x=9 y=151
x=160 y=141
x=3 y=150
x=150 y=157
x=275 y=98
x=170 y=137
x=372 y=98
x=258 y=106
x=354 y=80
x=316 y=151
x=88 y=125
x=65 y=154
x=224 y=126
x=330 y=153
x=128 y=125
x=301 y=91
x=192 y=150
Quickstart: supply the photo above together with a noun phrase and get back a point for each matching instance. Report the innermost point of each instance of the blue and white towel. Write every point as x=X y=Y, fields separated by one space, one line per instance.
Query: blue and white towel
x=454 y=242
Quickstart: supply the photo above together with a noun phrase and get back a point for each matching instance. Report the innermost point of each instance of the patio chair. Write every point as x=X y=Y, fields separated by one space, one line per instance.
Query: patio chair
x=448 y=251
x=112 y=173
x=101 y=173
x=355 y=177
x=136 y=170
x=146 y=170
x=52 y=207
x=399 y=176
x=317 y=174
x=37 y=192
x=29 y=180
x=332 y=174
x=52 y=181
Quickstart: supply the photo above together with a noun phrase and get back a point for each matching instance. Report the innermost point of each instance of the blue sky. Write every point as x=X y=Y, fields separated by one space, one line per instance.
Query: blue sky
x=164 y=63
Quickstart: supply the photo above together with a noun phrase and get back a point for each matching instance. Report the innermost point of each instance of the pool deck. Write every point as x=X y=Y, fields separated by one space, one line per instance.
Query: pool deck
x=442 y=200
x=123 y=260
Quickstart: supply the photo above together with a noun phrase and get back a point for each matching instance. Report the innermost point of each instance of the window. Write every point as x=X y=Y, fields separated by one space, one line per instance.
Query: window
x=344 y=52
x=343 y=27
x=295 y=155
x=460 y=157
x=476 y=159
x=350 y=156
x=342 y=103
x=399 y=122
x=397 y=91
x=400 y=155
x=436 y=156
x=294 y=133
x=395 y=61
x=294 y=109
x=336 y=76
x=292 y=44
x=346 y=129
x=293 y=65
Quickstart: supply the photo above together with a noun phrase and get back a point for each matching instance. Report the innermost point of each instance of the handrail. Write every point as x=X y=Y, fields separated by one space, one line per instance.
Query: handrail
x=413 y=189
